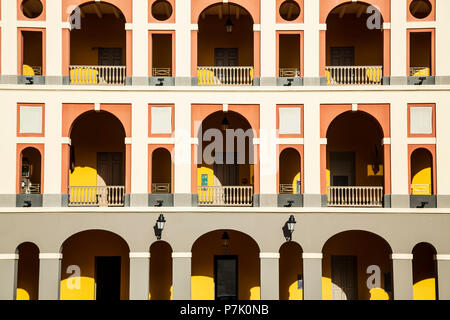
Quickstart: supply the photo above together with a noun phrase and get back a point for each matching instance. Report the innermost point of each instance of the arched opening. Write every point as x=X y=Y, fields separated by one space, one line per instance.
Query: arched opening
x=31 y=166
x=424 y=272
x=225 y=160
x=291 y=272
x=161 y=171
x=355 y=161
x=354 y=44
x=289 y=172
x=28 y=272
x=356 y=266
x=161 y=271
x=98 y=45
x=97 y=161
x=421 y=172
x=225 y=266
x=225 y=46
x=95 y=266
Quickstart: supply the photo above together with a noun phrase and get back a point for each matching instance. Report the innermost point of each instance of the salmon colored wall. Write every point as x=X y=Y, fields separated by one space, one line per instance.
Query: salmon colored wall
x=163 y=166
x=161 y=50
x=40 y=105
x=326 y=6
x=125 y=6
x=431 y=16
x=424 y=51
x=291 y=265
x=252 y=6
x=81 y=250
x=21 y=16
x=20 y=49
x=300 y=18
x=40 y=147
x=65 y=52
x=151 y=19
x=369 y=249
x=209 y=245
x=422 y=166
x=150 y=134
x=28 y=272
x=108 y=32
x=161 y=287
x=292 y=164
x=433 y=106
x=424 y=272
x=289 y=53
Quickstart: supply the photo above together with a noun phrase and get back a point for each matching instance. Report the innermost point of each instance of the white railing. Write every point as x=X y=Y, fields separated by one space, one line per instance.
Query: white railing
x=354 y=75
x=225 y=76
x=422 y=189
x=160 y=187
x=286 y=189
x=162 y=72
x=108 y=196
x=419 y=71
x=355 y=196
x=101 y=75
x=229 y=196
x=289 y=72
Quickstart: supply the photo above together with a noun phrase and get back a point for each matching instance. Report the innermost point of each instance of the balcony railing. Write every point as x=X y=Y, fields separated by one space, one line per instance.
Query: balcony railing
x=160 y=187
x=225 y=76
x=419 y=72
x=355 y=196
x=108 y=196
x=289 y=72
x=161 y=72
x=286 y=189
x=354 y=75
x=229 y=196
x=422 y=189
x=98 y=75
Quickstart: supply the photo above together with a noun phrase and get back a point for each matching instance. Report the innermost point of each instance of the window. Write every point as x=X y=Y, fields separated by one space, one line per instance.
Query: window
x=421 y=120
x=289 y=120
x=30 y=119
x=161 y=120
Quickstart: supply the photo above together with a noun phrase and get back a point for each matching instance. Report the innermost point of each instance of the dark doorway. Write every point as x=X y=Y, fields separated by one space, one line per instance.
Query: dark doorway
x=110 y=56
x=344 y=281
x=109 y=168
x=342 y=169
x=342 y=56
x=226 y=277
x=226 y=57
x=107 y=278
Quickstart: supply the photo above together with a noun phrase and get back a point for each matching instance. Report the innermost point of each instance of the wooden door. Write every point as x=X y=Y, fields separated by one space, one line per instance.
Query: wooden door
x=344 y=283
x=342 y=56
x=226 y=57
x=110 y=56
x=109 y=169
x=226 y=277
x=107 y=278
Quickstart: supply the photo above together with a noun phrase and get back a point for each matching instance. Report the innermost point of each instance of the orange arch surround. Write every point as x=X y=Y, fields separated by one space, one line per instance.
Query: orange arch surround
x=326 y=6
x=431 y=148
x=125 y=6
x=252 y=6
x=299 y=149
x=40 y=147
x=151 y=149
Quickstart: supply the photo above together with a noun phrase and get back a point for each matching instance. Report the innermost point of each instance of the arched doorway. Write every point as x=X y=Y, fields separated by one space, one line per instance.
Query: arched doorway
x=225 y=53
x=98 y=45
x=31 y=167
x=28 y=272
x=355 y=161
x=291 y=271
x=97 y=164
x=356 y=265
x=354 y=45
x=422 y=179
x=95 y=266
x=161 y=271
x=225 y=160
x=289 y=172
x=161 y=171
x=225 y=266
x=424 y=272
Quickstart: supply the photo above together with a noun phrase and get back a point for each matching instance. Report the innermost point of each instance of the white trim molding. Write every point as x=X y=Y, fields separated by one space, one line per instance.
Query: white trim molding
x=324 y=141
x=181 y=254
x=145 y=255
x=442 y=257
x=50 y=256
x=294 y=141
x=269 y=255
x=161 y=140
x=421 y=140
x=128 y=140
x=309 y=255
x=386 y=141
x=9 y=256
x=66 y=140
x=401 y=256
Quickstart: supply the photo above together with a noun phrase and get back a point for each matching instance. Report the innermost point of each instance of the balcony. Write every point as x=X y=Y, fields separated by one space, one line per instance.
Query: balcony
x=229 y=196
x=97 y=75
x=355 y=196
x=225 y=76
x=96 y=196
x=354 y=75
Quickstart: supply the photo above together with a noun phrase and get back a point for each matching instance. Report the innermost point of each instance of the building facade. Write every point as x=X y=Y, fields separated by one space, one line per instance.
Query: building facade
x=225 y=120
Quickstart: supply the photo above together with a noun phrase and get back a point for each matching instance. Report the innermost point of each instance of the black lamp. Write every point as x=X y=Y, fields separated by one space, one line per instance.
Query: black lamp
x=229 y=24
x=160 y=226
x=291 y=225
x=225 y=240
x=225 y=123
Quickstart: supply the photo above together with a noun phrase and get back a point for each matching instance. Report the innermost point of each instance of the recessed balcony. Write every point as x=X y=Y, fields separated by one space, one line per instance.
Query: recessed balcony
x=97 y=196
x=227 y=196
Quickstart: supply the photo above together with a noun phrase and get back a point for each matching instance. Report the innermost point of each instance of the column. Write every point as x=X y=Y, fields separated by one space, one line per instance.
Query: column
x=312 y=194
x=182 y=157
x=268 y=43
x=183 y=43
x=312 y=276
x=140 y=43
x=398 y=42
x=9 y=42
x=54 y=42
x=311 y=46
x=443 y=276
x=268 y=156
x=53 y=148
x=139 y=154
x=402 y=276
x=139 y=275
x=399 y=153
x=49 y=276
x=8 y=276
x=442 y=43
x=270 y=275
x=181 y=275
x=443 y=153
